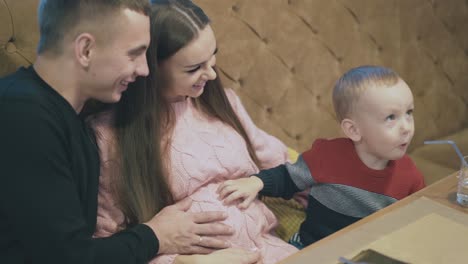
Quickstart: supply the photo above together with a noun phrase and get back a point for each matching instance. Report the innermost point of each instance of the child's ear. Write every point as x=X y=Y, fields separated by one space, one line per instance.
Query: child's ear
x=350 y=129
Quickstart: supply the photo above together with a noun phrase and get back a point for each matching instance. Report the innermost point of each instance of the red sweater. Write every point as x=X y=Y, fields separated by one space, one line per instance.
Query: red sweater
x=342 y=188
x=336 y=162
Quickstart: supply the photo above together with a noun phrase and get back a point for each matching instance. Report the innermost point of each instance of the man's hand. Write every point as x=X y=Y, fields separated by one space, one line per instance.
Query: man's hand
x=245 y=189
x=182 y=232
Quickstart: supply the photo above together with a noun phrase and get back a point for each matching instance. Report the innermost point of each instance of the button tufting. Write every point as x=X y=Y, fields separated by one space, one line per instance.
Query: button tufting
x=10 y=47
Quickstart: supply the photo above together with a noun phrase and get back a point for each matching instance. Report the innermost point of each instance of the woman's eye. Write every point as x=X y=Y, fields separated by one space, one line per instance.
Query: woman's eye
x=194 y=69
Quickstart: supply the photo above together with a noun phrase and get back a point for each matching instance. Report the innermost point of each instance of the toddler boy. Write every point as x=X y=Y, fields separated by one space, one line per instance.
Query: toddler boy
x=352 y=177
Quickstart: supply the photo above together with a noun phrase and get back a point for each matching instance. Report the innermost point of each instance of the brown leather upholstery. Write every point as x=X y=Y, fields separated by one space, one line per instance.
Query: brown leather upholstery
x=18 y=34
x=283 y=57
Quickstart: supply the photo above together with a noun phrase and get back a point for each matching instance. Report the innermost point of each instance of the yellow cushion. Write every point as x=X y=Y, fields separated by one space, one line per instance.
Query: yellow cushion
x=290 y=213
x=293 y=155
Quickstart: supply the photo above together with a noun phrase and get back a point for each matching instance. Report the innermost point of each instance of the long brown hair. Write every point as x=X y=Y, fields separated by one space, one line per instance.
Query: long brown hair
x=174 y=23
x=144 y=119
x=141 y=185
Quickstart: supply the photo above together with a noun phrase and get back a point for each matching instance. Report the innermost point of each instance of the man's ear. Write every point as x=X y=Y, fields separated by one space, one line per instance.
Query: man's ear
x=84 y=45
x=350 y=129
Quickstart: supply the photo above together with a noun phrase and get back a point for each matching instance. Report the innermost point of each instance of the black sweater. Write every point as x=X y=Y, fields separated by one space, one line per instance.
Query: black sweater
x=49 y=174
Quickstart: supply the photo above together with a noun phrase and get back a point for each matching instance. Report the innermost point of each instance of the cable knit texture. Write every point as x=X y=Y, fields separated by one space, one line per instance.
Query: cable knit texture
x=204 y=152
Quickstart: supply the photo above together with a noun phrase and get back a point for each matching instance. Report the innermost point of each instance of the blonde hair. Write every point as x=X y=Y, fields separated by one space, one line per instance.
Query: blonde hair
x=354 y=82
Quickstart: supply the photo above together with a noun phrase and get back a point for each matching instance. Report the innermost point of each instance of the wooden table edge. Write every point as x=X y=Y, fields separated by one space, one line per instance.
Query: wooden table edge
x=443 y=191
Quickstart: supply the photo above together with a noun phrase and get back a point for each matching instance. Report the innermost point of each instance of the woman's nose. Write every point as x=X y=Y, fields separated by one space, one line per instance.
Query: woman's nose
x=210 y=73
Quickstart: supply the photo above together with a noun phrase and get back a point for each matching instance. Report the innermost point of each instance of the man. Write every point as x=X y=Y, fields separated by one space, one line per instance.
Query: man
x=89 y=49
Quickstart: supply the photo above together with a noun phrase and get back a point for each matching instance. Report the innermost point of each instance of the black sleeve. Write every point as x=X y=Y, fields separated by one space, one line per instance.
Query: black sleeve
x=42 y=212
x=277 y=182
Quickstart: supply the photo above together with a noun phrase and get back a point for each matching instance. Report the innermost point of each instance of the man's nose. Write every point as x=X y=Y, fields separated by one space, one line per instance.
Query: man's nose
x=142 y=67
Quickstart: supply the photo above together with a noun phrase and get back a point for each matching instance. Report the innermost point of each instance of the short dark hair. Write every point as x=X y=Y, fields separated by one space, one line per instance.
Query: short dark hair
x=58 y=17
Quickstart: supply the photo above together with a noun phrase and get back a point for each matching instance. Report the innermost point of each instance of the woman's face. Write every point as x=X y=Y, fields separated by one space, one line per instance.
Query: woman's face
x=188 y=70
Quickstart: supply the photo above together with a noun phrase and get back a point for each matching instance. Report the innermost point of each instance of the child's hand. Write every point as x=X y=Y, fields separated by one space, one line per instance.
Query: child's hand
x=245 y=189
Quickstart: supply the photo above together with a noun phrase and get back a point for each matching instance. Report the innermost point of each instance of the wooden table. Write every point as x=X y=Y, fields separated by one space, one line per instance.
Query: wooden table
x=441 y=194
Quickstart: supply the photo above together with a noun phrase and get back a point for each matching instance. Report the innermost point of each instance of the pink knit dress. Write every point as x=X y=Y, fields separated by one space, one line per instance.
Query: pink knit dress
x=205 y=152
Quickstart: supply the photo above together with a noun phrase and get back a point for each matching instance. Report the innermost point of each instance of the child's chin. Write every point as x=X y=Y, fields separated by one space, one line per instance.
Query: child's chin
x=397 y=157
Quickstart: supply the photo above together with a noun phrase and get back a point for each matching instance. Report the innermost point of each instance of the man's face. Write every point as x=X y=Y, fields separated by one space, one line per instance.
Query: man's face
x=118 y=61
x=385 y=121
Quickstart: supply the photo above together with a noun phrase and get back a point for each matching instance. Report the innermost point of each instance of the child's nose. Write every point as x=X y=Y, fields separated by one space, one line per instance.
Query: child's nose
x=406 y=126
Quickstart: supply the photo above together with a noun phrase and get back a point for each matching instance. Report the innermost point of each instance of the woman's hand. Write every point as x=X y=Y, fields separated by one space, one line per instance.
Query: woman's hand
x=245 y=189
x=225 y=256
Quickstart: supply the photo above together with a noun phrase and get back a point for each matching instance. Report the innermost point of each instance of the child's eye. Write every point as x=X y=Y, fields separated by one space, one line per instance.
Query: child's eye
x=390 y=117
x=410 y=112
x=194 y=69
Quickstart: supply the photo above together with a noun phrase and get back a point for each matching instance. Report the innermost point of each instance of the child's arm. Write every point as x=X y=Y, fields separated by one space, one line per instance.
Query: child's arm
x=245 y=189
x=279 y=182
x=276 y=182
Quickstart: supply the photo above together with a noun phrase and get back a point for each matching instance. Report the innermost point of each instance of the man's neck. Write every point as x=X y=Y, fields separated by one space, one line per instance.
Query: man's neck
x=59 y=73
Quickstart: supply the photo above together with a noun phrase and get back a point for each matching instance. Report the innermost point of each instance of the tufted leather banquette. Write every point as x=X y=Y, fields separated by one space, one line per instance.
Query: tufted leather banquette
x=283 y=57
